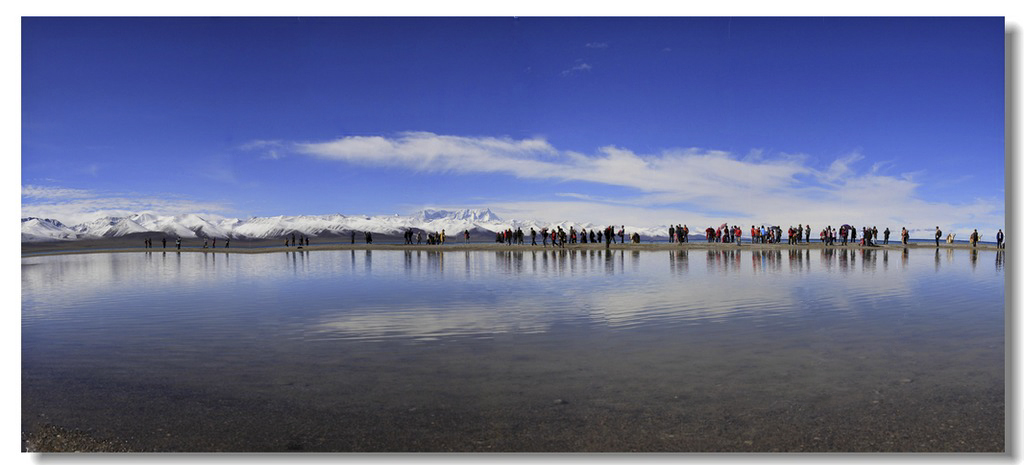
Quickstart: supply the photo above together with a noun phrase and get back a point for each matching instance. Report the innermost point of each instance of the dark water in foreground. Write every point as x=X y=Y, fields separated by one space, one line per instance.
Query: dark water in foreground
x=810 y=350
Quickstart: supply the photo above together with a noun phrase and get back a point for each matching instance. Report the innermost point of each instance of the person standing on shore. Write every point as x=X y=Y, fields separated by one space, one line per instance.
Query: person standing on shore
x=974 y=238
x=999 y=239
x=938 y=235
x=885 y=234
x=178 y=243
x=227 y=242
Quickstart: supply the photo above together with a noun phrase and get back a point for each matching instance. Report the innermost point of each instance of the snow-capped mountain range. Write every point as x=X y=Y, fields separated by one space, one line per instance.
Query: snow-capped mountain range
x=453 y=222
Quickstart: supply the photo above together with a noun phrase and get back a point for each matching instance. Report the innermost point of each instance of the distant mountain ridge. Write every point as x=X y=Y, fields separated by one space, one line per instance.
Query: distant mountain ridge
x=477 y=221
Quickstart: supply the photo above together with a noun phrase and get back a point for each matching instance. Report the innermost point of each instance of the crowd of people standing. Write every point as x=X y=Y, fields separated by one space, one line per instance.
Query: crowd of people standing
x=679 y=233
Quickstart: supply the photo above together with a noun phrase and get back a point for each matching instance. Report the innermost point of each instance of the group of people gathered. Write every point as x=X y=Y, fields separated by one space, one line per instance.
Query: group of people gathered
x=799 y=234
x=559 y=236
x=677 y=234
x=177 y=243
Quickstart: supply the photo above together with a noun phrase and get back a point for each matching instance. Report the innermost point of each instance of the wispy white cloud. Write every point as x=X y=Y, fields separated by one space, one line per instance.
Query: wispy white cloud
x=271 y=149
x=597 y=44
x=429 y=152
x=47 y=192
x=577 y=68
x=73 y=206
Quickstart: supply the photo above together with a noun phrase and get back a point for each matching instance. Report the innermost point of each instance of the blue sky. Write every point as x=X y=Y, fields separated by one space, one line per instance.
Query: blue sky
x=639 y=121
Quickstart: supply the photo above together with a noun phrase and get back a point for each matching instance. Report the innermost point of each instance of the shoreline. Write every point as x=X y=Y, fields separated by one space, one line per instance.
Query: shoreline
x=251 y=247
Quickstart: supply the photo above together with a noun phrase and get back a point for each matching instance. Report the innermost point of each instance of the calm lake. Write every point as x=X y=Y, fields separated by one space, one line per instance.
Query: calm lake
x=700 y=350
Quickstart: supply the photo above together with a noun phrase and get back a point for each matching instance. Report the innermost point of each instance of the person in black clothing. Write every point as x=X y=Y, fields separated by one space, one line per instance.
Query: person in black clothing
x=164 y=240
x=938 y=235
x=885 y=234
x=999 y=239
x=622 y=234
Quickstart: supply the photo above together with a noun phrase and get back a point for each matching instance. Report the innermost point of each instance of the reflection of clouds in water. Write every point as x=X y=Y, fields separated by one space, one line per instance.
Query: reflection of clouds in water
x=429 y=294
x=425 y=321
x=574 y=287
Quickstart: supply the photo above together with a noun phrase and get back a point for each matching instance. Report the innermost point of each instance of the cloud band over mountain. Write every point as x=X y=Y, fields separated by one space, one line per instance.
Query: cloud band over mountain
x=680 y=183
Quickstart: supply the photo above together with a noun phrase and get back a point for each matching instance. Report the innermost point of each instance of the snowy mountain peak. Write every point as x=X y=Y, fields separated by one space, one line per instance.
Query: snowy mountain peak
x=44 y=222
x=467 y=214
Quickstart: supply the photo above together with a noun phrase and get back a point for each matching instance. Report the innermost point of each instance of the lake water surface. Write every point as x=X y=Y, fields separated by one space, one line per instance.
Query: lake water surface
x=700 y=350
